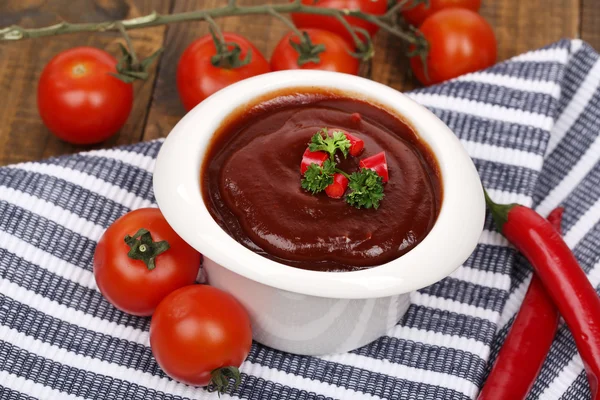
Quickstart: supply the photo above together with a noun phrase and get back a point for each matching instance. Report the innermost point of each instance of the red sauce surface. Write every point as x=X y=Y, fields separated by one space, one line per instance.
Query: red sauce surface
x=251 y=184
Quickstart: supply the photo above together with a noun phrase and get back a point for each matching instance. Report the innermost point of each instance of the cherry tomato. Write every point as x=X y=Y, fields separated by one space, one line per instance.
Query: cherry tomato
x=197 y=330
x=460 y=41
x=198 y=78
x=77 y=98
x=416 y=15
x=336 y=56
x=376 y=7
x=130 y=282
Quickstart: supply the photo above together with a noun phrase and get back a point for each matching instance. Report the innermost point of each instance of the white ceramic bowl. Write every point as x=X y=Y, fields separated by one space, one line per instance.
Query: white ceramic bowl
x=302 y=311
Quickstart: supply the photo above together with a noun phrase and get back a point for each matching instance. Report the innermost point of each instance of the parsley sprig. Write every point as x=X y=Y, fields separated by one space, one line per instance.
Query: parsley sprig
x=317 y=178
x=366 y=189
x=321 y=141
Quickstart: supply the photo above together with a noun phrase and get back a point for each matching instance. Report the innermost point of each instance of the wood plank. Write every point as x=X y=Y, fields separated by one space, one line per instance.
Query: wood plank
x=519 y=26
x=23 y=136
x=590 y=22
x=390 y=65
x=166 y=110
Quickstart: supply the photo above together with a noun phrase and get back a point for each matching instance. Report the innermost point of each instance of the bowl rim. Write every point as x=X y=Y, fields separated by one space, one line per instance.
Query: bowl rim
x=452 y=239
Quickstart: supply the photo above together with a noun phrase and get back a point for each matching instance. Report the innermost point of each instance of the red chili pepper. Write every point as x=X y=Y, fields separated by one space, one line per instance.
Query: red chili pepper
x=338 y=187
x=527 y=343
x=561 y=275
x=555 y=218
x=312 y=157
x=356 y=144
x=377 y=163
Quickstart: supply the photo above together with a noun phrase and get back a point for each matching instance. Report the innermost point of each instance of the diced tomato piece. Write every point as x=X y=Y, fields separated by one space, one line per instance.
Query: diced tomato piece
x=356 y=118
x=356 y=144
x=312 y=157
x=338 y=187
x=377 y=163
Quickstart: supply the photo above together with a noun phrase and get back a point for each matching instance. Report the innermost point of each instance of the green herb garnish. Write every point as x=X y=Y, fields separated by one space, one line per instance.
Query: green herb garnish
x=317 y=178
x=321 y=141
x=366 y=189
x=366 y=186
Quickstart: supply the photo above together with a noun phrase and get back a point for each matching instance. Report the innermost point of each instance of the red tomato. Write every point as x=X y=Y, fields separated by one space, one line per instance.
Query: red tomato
x=77 y=98
x=197 y=330
x=198 y=78
x=415 y=16
x=460 y=41
x=129 y=283
x=334 y=58
x=377 y=7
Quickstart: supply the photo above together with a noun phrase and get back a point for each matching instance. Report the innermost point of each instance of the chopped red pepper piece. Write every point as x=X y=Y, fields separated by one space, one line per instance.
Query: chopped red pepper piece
x=312 y=157
x=338 y=187
x=356 y=144
x=377 y=163
x=355 y=118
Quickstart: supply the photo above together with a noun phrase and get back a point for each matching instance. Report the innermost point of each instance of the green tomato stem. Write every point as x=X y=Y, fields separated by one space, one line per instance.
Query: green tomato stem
x=220 y=378
x=143 y=248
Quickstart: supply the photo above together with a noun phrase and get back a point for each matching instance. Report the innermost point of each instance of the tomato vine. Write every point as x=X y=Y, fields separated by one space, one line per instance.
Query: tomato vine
x=131 y=68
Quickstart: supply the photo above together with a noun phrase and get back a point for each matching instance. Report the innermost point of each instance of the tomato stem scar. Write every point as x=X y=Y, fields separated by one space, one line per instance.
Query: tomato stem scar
x=143 y=248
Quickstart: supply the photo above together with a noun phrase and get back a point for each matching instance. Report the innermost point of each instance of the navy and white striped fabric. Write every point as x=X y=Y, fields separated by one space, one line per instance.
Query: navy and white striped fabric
x=532 y=127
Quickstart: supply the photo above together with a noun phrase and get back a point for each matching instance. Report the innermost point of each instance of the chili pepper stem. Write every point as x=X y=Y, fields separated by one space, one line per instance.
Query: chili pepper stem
x=499 y=211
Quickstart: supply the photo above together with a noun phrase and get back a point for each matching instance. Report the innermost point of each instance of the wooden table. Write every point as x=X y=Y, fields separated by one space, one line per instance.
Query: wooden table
x=519 y=25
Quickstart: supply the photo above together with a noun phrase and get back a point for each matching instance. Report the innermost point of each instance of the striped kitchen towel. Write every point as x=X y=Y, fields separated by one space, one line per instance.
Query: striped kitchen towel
x=532 y=127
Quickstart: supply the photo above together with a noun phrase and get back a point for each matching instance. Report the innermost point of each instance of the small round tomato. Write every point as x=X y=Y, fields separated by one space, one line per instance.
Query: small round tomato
x=199 y=332
x=460 y=41
x=416 y=15
x=335 y=57
x=376 y=7
x=78 y=100
x=140 y=259
x=198 y=77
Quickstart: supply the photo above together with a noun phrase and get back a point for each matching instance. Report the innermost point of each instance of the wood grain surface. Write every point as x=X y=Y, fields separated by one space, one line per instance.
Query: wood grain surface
x=590 y=22
x=519 y=26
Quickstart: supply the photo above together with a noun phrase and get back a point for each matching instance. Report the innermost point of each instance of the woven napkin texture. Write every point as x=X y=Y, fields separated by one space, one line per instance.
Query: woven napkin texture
x=532 y=127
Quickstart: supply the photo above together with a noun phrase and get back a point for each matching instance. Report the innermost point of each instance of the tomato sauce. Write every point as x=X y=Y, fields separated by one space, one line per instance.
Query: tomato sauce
x=251 y=183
